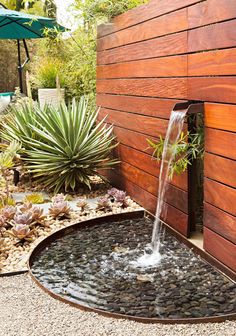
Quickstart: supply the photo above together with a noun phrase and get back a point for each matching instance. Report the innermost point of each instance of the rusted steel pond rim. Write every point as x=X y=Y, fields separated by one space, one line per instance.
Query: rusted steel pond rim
x=108 y=219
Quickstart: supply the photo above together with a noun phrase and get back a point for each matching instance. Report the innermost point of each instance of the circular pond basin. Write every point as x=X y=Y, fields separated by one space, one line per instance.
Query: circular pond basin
x=95 y=267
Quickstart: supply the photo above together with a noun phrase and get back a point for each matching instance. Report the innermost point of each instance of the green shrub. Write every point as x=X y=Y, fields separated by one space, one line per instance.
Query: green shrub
x=45 y=73
x=186 y=149
x=63 y=147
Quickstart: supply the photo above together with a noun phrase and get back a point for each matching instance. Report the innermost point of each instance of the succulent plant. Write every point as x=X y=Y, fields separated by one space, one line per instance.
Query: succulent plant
x=118 y=196
x=7 y=161
x=58 y=198
x=4 y=200
x=8 y=212
x=112 y=192
x=25 y=207
x=2 y=224
x=22 y=218
x=104 y=203
x=34 y=198
x=83 y=205
x=22 y=232
x=37 y=215
x=60 y=210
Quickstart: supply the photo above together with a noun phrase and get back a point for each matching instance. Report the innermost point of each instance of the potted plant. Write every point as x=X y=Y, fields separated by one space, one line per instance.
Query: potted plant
x=49 y=80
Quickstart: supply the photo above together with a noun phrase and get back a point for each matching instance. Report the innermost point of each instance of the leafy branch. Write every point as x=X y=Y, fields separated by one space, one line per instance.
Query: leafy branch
x=188 y=148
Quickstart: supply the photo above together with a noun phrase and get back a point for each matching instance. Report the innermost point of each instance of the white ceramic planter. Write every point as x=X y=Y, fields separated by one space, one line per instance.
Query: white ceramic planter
x=50 y=97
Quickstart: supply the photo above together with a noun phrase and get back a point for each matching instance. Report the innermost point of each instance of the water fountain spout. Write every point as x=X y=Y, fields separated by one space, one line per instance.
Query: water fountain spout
x=175 y=127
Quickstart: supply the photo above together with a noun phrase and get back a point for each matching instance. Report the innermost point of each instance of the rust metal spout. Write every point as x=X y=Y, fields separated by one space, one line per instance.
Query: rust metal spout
x=191 y=107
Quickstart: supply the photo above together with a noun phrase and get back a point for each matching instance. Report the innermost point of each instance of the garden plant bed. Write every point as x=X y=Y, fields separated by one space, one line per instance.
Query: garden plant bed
x=14 y=253
x=92 y=266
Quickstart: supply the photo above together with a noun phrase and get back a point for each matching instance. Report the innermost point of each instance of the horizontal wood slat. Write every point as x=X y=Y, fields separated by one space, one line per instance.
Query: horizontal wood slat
x=149 y=59
x=142 y=105
x=213 y=89
x=201 y=14
x=212 y=63
x=174 y=217
x=148 y=164
x=163 y=25
x=159 y=67
x=220 y=142
x=220 y=169
x=139 y=123
x=220 y=222
x=142 y=13
x=220 y=116
x=174 y=196
x=133 y=139
x=211 y=11
x=216 y=36
x=220 y=248
x=162 y=46
x=220 y=195
x=151 y=87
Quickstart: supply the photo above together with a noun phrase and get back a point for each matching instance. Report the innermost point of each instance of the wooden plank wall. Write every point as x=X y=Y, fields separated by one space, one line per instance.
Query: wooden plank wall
x=152 y=57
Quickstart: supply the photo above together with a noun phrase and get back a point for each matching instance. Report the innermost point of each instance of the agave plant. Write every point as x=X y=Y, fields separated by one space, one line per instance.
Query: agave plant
x=63 y=147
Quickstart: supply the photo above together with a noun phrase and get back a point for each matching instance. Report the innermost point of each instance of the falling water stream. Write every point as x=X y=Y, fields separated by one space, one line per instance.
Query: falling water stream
x=173 y=133
x=102 y=266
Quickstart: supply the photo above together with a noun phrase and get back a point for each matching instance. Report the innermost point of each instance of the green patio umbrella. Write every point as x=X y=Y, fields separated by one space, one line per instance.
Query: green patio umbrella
x=21 y=26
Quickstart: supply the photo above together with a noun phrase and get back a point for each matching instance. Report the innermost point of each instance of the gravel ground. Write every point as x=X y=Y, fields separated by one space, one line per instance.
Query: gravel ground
x=26 y=310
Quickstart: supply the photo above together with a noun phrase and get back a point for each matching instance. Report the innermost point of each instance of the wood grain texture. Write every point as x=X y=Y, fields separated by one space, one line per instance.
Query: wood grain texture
x=150 y=87
x=211 y=11
x=133 y=139
x=139 y=123
x=143 y=13
x=148 y=164
x=212 y=63
x=163 y=25
x=174 y=217
x=220 y=222
x=220 y=248
x=216 y=36
x=149 y=126
x=220 y=142
x=162 y=46
x=213 y=89
x=174 y=196
x=159 y=67
x=220 y=169
x=153 y=107
x=220 y=116
x=220 y=195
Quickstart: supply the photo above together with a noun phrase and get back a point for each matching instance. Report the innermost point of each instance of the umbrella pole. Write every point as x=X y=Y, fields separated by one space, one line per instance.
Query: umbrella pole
x=20 y=67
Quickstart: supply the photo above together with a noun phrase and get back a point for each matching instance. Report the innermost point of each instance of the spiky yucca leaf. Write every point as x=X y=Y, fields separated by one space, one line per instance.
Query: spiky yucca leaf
x=64 y=146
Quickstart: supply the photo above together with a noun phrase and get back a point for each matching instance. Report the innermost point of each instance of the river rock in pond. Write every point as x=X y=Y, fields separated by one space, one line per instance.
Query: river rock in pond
x=95 y=267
